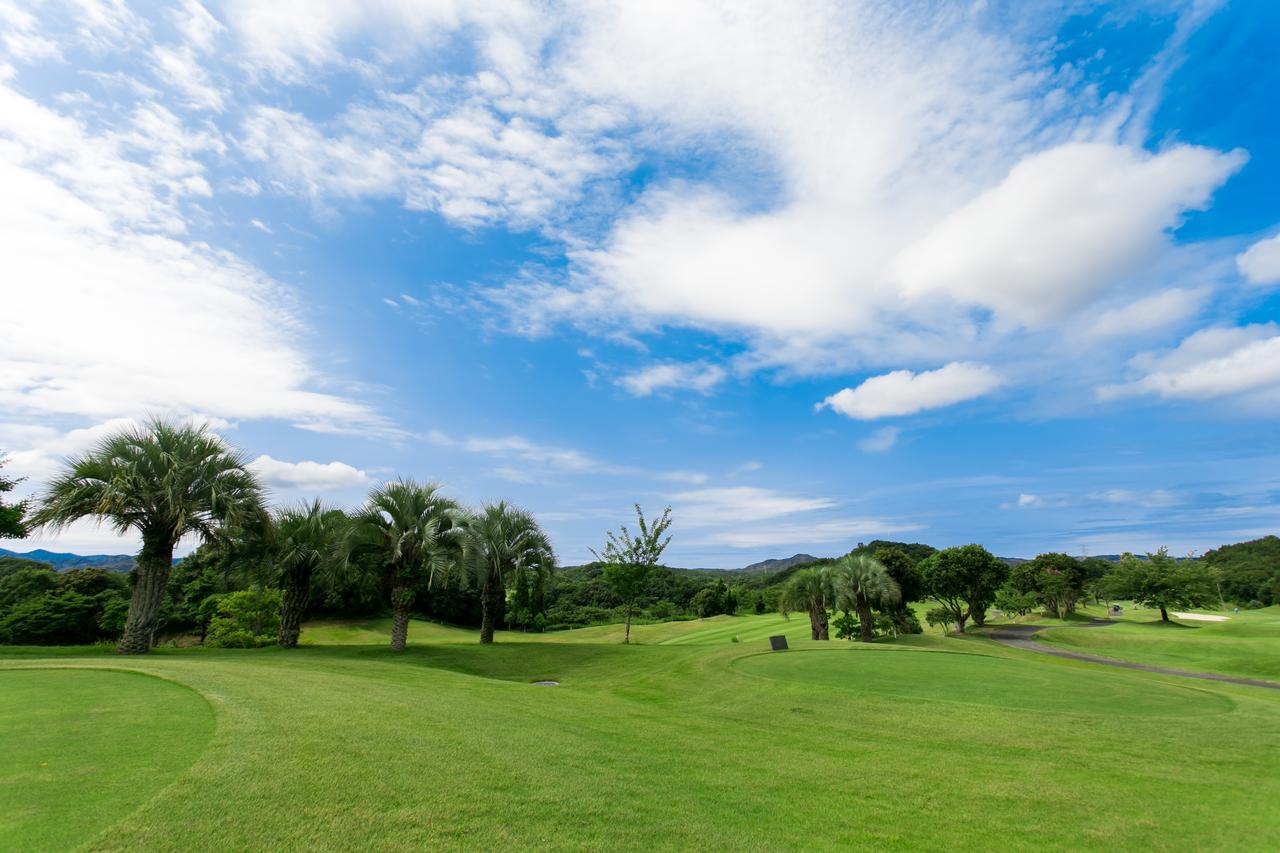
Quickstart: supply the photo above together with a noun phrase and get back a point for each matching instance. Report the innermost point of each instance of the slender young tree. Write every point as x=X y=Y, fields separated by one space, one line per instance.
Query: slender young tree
x=415 y=534
x=308 y=539
x=861 y=583
x=164 y=480
x=629 y=560
x=503 y=542
x=810 y=590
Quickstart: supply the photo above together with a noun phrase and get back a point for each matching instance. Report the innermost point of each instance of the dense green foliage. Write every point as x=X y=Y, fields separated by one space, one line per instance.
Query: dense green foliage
x=1248 y=572
x=42 y=607
x=1163 y=583
x=963 y=581
x=246 y=619
x=12 y=525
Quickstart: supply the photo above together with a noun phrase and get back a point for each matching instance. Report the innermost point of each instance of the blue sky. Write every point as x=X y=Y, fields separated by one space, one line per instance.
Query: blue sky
x=812 y=275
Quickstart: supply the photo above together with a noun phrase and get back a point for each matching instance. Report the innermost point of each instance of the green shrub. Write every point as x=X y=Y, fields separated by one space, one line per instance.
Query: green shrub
x=846 y=626
x=246 y=619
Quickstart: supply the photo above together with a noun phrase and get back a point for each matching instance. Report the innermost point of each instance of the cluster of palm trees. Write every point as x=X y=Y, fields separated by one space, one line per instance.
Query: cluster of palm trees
x=855 y=582
x=166 y=480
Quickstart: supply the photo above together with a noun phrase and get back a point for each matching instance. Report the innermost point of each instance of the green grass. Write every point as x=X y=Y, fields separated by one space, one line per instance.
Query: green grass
x=81 y=748
x=685 y=740
x=1247 y=644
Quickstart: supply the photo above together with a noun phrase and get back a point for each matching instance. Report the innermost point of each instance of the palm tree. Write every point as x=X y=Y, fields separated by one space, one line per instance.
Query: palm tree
x=809 y=590
x=861 y=582
x=413 y=532
x=503 y=541
x=164 y=480
x=308 y=539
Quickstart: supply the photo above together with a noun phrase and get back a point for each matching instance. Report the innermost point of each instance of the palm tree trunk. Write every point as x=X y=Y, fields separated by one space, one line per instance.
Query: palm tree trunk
x=490 y=601
x=864 y=618
x=296 y=594
x=401 y=605
x=151 y=576
x=824 y=628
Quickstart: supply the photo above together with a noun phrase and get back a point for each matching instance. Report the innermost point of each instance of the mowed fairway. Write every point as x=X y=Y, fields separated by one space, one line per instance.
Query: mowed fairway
x=1247 y=644
x=686 y=741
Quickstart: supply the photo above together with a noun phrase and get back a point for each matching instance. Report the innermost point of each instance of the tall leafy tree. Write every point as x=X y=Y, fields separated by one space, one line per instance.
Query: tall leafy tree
x=1056 y=581
x=810 y=590
x=504 y=542
x=963 y=580
x=11 y=524
x=165 y=480
x=629 y=560
x=861 y=583
x=308 y=540
x=1162 y=582
x=411 y=533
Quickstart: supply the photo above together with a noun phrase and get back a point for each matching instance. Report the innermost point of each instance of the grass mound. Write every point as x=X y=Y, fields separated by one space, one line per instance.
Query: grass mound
x=82 y=749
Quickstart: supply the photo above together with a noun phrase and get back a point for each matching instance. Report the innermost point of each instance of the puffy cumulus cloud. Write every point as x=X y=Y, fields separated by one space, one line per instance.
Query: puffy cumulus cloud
x=1065 y=224
x=697 y=376
x=1212 y=363
x=308 y=475
x=1260 y=263
x=903 y=392
x=117 y=314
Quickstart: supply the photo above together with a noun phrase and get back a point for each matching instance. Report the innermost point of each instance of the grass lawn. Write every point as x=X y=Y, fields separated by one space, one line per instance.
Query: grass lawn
x=1247 y=644
x=686 y=740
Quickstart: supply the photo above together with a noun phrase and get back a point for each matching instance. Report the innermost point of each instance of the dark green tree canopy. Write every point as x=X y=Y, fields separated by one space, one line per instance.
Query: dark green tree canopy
x=963 y=580
x=11 y=515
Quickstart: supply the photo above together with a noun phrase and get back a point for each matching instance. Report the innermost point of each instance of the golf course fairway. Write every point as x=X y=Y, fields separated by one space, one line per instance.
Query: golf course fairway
x=924 y=744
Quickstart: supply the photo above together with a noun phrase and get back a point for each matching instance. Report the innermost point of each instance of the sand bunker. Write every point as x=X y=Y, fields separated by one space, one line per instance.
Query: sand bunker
x=1200 y=617
x=547 y=683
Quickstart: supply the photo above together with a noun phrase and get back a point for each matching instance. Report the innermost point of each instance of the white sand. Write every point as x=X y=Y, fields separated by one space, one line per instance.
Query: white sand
x=1200 y=617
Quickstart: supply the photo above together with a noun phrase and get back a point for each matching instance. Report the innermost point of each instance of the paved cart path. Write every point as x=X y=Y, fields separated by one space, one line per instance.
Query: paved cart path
x=1022 y=637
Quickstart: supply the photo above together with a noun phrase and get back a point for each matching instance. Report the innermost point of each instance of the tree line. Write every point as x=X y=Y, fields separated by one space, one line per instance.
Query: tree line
x=411 y=550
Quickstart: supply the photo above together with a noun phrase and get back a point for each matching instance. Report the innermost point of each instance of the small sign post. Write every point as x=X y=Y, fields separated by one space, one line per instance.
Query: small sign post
x=778 y=643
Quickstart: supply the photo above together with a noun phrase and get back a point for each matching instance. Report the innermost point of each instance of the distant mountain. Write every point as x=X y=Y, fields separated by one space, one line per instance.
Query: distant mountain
x=65 y=562
x=768 y=567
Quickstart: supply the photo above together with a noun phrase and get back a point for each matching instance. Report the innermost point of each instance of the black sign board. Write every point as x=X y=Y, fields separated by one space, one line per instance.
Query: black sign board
x=779 y=643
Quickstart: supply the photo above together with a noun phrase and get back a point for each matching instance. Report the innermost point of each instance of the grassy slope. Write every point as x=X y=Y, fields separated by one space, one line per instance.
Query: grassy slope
x=1248 y=644
x=692 y=742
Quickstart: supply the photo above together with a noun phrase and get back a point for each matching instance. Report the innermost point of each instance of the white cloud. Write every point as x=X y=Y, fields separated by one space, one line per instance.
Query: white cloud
x=1150 y=313
x=702 y=507
x=905 y=393
x=20 y=35
x=821 y=532
x=1260 y=263
x=1155 y=499
x=1025 y=500
x=694 y=478
x=116 y=315
x=307 y=475
x=880 y=440
x=697 y=376
x=1064 y=225
x=1212 y=363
